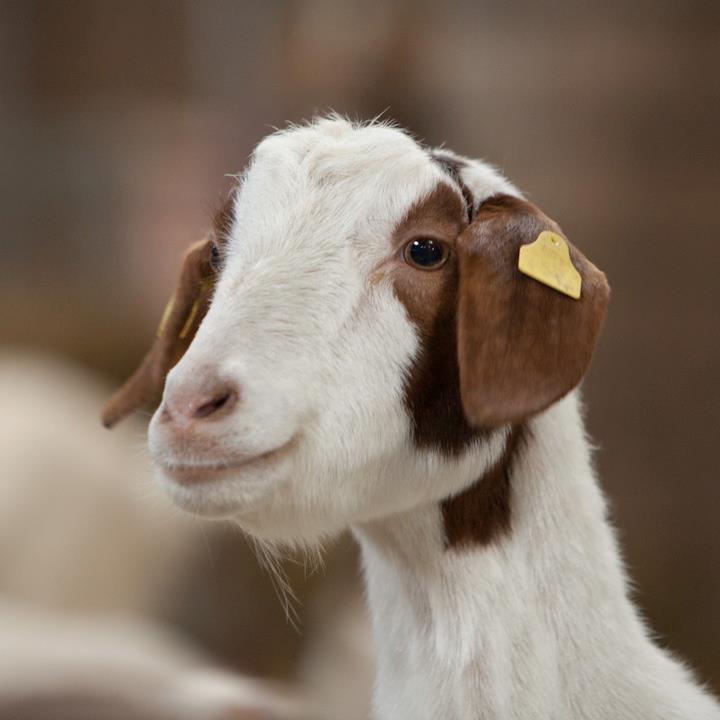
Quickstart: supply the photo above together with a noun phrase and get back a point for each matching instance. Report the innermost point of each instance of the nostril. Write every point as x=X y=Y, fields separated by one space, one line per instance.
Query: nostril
x=185 y=404
x=223 y=400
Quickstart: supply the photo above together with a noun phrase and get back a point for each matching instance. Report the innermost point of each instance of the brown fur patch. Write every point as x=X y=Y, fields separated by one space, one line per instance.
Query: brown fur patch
x=432 y=393
x=482 y=512
x=496 y=347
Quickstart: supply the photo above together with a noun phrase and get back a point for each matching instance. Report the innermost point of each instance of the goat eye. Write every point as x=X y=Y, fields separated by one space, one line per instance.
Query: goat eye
x=425 y=253
x=215 y=257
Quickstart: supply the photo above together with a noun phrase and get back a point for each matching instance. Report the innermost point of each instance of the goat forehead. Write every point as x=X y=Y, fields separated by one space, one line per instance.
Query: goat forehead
x=334 y=147
x=325 y=189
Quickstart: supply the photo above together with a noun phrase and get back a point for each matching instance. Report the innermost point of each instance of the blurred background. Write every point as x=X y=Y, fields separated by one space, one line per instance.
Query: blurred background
x=119 y=125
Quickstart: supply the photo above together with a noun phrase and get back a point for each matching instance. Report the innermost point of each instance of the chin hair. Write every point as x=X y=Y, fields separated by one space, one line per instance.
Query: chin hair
x=274 y=552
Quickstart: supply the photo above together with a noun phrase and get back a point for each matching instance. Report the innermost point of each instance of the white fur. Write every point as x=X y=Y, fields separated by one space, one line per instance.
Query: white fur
x=537 y=625
x=306 y=323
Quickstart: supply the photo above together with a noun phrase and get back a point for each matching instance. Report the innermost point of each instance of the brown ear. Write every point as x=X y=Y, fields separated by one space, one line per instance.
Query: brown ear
x=180 y=322
x=521 y=344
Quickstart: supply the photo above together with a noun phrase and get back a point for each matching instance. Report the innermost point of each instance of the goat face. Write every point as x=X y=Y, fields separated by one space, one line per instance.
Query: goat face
x=326 y=383
x=307 y=337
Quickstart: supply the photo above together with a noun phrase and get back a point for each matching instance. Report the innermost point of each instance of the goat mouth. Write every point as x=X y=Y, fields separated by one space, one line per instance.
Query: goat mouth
x=201 y=473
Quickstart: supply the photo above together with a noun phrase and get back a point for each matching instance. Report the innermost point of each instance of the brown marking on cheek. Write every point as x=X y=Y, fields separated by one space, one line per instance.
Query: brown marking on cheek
x=482 y=513
x=432 y=390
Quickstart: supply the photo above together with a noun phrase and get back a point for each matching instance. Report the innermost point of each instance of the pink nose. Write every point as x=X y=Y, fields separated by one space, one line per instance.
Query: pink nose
x=185 y=405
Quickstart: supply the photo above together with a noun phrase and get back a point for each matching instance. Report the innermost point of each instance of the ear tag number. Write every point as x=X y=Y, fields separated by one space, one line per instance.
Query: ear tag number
x=547 y=260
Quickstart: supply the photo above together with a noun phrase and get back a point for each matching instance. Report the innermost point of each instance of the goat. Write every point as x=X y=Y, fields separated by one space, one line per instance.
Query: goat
x=62 y=667
x=353 y=344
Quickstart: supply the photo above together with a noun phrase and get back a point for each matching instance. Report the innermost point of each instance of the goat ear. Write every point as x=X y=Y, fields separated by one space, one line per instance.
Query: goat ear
x=522 y=345
x=178 y=326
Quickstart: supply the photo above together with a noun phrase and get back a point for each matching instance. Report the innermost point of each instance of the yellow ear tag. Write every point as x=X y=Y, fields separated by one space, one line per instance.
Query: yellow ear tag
x=165 y=316
x=205 y=285
x=547 y=260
